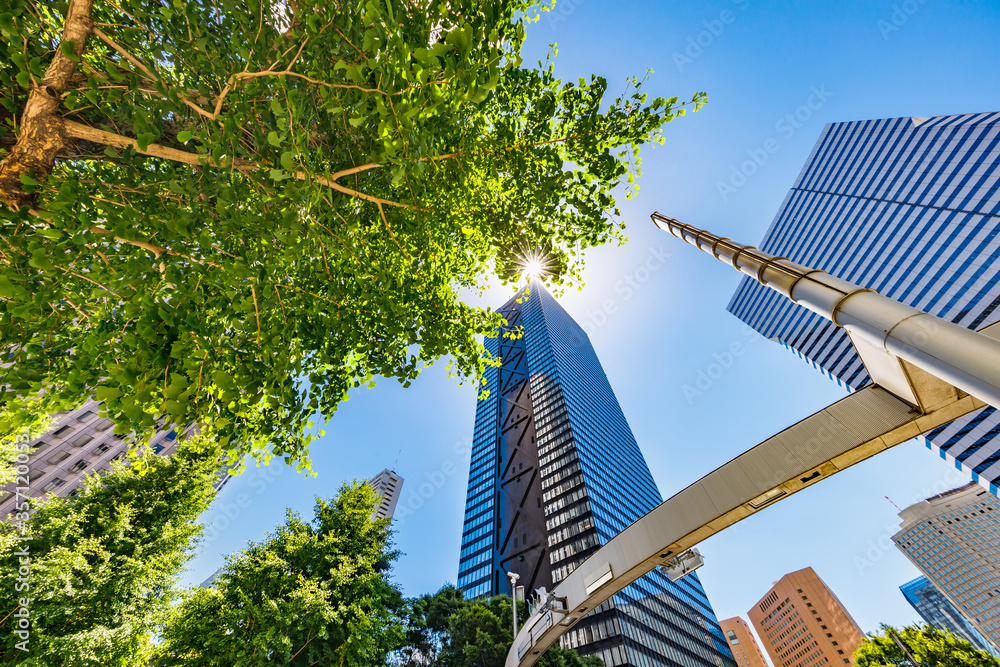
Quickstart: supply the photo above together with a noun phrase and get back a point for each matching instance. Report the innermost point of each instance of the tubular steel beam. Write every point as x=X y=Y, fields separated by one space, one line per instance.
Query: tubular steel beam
x=883 y=330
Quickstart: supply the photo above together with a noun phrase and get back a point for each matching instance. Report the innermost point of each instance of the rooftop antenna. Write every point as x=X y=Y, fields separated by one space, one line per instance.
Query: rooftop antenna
x=397 y=460
x=893 y=504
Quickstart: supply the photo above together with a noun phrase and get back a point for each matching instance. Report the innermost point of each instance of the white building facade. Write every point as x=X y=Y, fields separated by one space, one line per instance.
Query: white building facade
x=389 y=485
x=954 y=540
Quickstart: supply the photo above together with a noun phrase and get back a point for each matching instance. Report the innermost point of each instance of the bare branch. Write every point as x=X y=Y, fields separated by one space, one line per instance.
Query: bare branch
x=132 y=59
x=87 y=133
x=157 y=251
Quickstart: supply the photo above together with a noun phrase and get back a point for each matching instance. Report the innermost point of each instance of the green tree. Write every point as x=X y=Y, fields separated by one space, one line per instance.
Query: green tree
x=101 y=565
x=310 y=594
x=446 y=630
x=928 y=646
x=233 y=213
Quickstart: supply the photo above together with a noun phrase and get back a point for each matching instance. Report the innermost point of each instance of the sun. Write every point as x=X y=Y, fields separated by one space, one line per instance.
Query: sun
x=534 y=266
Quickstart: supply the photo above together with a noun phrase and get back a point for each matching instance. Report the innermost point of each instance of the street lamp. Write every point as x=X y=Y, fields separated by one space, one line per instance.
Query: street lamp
x=513 y=576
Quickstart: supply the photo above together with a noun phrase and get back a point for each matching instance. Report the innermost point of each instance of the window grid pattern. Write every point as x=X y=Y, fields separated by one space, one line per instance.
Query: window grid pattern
x=954 y=540
x=595 y=482
x=935 y=609
x=909 y=207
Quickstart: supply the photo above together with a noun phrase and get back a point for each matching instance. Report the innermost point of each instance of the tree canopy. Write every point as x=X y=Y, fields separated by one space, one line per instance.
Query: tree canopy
x=310 y=593
x=928 y=646
x=446 y=630
x=233 y=213
x=98 y=569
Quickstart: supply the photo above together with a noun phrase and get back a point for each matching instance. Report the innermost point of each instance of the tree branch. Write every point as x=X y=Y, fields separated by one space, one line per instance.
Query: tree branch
x=40 y=138
x=132 y=59
x=157 y=251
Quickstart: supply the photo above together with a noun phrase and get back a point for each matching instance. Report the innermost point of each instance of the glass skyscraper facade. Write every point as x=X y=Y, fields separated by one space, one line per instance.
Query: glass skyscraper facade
x=909 y=207
x=935 y=609
x=953 y=539
x=556 y=473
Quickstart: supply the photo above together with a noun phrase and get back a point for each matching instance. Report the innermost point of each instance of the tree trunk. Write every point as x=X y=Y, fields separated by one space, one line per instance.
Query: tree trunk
x=41 y=136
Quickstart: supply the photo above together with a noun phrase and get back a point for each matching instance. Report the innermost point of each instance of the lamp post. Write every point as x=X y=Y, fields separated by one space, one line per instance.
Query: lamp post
x=513 y=576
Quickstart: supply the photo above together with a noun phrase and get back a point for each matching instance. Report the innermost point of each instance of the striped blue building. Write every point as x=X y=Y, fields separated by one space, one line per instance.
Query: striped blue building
x=909 y=207
x=555 y=474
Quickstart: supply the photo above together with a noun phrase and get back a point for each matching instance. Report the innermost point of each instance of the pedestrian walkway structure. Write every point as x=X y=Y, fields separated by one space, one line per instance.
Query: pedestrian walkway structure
x=926 y=372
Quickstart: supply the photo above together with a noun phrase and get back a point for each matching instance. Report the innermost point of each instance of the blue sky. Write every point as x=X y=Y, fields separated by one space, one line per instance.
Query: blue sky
x=655 y=308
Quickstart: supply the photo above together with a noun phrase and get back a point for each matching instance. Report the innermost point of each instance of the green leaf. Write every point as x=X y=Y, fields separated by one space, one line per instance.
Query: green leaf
x=144 y=140
x=273 y=138
x=7 y=290
x=67 y=49
x=105 y=393
x=185 y=136
x=7 y=25
x=288 y=160
x=40 y=260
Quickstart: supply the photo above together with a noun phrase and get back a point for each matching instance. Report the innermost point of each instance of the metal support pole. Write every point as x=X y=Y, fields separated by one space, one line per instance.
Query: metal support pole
x=513 y=576
x=883 y=330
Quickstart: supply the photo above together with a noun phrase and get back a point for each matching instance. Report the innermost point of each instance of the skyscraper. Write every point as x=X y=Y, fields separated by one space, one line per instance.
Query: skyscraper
x=935 y=609
x=555 y=473
x=954 y=540
x=909 y=207
x=389 y=485
x=742 y=643
x=80 y=443
x=803 y=624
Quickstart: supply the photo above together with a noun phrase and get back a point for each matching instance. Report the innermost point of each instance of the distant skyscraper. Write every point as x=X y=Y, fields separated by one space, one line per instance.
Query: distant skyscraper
x=80 y=443
x=954 y=540
x=937 y=612
x=909 y=207
x=742 y=643
x=389 y=485
x=556 y=473
x=803 y=624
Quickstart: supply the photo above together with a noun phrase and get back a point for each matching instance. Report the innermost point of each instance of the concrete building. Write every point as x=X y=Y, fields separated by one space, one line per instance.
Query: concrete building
x=937 y=612
x=80 y=443
x=555 y=473
x=389 y=485
x=954 y=540
x=908 y=207
x=802 y=623
x=743 y=644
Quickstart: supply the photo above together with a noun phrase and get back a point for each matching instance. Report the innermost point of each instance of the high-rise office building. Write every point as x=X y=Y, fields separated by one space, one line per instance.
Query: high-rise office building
x=80 y=443
x=954 y=540
x=556 y=473
x=803 y=624
x=909 y=207
x=389 y=485
x=742 y=643
x=937 y=612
